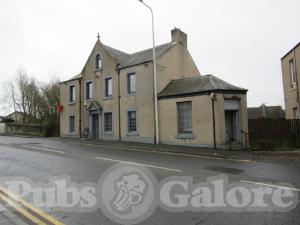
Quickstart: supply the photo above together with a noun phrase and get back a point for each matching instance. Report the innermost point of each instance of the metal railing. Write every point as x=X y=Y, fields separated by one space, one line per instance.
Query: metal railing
x=245 y=134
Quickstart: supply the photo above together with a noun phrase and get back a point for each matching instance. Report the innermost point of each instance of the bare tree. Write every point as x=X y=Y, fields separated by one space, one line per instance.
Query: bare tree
x=37 y=102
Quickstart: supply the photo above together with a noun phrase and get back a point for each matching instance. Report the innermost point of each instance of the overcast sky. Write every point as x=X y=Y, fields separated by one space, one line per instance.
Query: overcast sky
x=237 y=40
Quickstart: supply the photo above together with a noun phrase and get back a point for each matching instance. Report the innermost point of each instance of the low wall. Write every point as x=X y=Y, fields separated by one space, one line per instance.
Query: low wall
x=25 y=129
x=2 y=128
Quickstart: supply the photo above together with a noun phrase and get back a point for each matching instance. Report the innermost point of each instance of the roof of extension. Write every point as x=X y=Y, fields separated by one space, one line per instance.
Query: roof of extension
x=196 y=85
x=126 y=59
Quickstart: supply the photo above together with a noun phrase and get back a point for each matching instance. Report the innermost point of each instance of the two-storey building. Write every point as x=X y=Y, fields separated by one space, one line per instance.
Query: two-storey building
x=113 y=98
x=290 y=65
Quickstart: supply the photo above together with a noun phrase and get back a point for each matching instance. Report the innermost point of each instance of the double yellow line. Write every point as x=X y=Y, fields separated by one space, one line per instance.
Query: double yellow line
x=26 y=210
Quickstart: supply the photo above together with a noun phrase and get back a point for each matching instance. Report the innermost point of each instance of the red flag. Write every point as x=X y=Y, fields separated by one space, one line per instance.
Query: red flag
x=59 y=107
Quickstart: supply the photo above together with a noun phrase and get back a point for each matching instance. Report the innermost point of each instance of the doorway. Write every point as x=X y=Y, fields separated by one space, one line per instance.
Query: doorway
x=232 y=126
x=94 y=125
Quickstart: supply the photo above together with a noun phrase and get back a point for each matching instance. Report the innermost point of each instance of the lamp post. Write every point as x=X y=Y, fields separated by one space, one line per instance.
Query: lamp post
x=154 y=77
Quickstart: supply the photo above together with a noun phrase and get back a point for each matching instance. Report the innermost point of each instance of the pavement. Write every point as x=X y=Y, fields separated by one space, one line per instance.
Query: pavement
x=40 y=160
x=238 y=154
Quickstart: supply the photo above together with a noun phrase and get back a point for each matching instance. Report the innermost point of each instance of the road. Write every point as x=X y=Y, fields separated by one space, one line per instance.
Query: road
x=41 y=159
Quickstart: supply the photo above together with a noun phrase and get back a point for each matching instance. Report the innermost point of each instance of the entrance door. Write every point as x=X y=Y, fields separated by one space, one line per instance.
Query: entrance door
x=231 y=126
x=95 y=126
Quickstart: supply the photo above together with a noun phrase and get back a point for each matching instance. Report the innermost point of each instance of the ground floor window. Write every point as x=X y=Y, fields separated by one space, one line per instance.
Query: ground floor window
x=184 y=113
x=72 y=124
x=132 y=121
x=108 y=122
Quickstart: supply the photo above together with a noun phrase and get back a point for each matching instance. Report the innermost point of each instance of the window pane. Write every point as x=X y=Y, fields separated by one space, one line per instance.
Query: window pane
x=98 y=61
x=131 y=83
x=132 y=121
x=72 y=94
x=72 y=124
x=89 y=90
x=108 y=87
x=184 y=110
x=107 y=122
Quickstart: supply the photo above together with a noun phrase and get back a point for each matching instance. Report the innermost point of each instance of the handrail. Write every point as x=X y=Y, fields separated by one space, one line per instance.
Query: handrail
x=246 y=138
x=230 y=137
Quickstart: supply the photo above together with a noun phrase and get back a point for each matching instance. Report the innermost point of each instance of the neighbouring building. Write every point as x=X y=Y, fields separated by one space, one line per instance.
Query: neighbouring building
x=266 y=112
x=113 y=99
x=17 y=117
x=290 y=64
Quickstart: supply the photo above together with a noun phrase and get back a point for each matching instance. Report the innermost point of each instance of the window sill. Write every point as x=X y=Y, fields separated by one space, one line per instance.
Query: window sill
x=293 y=88
x=108 y=133
x=98 y=70
x=132 y=134
x=185 y=136
x=72 y=103
x=108 y=97
x=130 y=94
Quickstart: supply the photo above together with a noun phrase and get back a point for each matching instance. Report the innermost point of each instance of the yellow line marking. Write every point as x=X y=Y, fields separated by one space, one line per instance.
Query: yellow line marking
x=271 y=185
x=163 y=153
x=22 y=211
x=139 y=164
x=38 y=211
x=44 y=149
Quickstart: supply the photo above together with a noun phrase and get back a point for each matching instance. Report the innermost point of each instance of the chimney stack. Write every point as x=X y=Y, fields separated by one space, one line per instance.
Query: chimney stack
x=179 y=36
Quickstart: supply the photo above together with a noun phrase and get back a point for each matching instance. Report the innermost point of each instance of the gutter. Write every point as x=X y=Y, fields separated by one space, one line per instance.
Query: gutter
x=199 y=93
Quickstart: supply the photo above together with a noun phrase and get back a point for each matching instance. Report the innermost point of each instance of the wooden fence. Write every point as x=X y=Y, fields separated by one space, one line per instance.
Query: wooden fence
x=274 y=134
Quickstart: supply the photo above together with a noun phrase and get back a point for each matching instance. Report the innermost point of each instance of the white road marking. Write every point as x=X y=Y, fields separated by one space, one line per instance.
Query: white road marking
x=270 y=185
x=139 y=164
x=163 y=153
x=44 y=149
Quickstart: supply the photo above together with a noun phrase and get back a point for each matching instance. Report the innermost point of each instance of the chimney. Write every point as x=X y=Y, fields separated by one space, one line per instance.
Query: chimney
x=179 y=36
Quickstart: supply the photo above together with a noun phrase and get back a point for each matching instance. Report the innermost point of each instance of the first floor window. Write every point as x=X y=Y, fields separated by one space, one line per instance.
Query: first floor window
x=184 y=112
x=72 y=124
x=108 y=87
x=292 y=72
x=108 y=121
x=89 y=90
x=131 y=83
x=72 y=93
x=132 y=121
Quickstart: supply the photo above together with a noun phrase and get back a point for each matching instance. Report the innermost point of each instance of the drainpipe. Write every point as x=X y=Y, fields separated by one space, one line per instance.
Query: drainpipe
x=295 y=69
x=80 y=102
x=213 y=99
x=119 y=99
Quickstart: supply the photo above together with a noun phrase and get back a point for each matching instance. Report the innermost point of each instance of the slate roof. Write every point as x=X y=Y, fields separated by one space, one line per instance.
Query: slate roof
x=126 y=59
x=78 y=76
x=269 y=112
x=198 y=84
